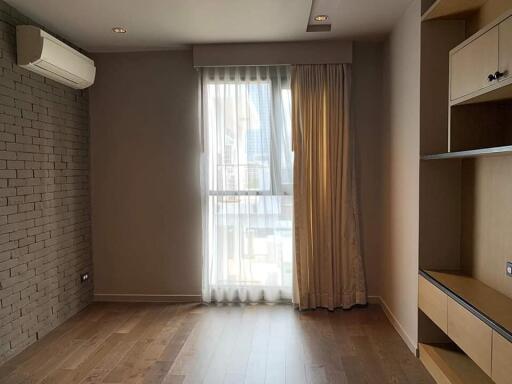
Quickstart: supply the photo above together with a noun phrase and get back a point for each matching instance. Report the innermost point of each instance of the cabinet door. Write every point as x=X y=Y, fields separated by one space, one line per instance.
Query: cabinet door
x=433 y=302
x=501 y=359
x=470 y=334
x=472 y=65
x=505 y=49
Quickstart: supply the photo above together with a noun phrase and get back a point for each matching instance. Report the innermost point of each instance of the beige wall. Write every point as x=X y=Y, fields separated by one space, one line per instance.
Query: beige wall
x=145 y=170
x=144 y=174
x=401 y=173
x=367 y=120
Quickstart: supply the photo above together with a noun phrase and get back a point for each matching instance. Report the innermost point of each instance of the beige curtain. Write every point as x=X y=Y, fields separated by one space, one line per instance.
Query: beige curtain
x=329 y=269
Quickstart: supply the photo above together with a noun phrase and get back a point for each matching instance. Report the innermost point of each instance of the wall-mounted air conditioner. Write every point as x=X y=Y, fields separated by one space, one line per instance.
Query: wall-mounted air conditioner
x=42 y=53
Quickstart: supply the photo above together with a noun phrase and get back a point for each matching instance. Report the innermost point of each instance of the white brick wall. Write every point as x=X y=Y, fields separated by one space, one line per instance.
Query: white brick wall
x=44 y=199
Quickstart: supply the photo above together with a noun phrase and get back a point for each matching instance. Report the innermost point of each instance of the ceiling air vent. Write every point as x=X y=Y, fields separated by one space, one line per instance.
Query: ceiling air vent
x=319 y=28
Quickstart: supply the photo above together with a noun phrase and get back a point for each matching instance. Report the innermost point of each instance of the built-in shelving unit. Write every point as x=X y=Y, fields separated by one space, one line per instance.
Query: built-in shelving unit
x=465 y=225
x=451 y=8
x=495 y=151
x=481 y=88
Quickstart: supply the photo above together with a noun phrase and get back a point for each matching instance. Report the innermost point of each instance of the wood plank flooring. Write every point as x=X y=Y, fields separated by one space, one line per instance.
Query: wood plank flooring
x=191 y=343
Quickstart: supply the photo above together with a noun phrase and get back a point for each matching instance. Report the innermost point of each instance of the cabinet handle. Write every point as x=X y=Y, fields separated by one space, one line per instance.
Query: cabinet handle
x=491 y=77
x=498 y=75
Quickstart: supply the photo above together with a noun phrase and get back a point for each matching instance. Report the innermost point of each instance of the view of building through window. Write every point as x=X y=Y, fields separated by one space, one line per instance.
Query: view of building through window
x=250 y=213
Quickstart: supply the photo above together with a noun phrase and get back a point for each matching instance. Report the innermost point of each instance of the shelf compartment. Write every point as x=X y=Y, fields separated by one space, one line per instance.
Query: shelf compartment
x=480 y=126
x=451 y=8
x=494 y=151
x=448 y=364
x=489 y=305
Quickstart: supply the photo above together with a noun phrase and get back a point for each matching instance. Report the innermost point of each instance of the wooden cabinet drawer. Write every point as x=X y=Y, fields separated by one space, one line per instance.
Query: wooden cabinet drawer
x=433 y=302
x=472 y=335
x=501 y=359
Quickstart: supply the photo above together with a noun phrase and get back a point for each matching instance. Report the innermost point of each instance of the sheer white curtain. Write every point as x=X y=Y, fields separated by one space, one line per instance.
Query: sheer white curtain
x=247 y=173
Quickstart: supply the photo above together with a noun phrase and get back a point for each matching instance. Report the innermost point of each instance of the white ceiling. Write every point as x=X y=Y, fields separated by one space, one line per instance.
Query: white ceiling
x=168 y=24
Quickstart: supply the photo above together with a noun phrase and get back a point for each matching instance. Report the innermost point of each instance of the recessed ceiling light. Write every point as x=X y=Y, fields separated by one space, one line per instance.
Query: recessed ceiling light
x=119 y=30
x=321 y=18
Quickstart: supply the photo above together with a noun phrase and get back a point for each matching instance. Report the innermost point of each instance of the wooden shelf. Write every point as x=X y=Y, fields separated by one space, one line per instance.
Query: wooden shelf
x=494 y=151
x=489 y=305
x=448 y=364
x=451 y=8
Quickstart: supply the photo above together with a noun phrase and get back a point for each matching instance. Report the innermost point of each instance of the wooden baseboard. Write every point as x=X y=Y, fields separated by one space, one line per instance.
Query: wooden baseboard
x=142 y=298
x=395 y=323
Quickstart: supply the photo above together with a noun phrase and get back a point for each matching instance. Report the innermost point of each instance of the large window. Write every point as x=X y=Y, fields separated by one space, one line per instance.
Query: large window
x=248 y=180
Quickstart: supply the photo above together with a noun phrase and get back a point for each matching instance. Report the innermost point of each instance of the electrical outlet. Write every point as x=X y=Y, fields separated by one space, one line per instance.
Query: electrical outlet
x=84 y=277
x=509 y=268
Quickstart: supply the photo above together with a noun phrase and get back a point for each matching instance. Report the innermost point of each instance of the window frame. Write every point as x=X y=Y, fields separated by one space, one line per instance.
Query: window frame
x=277 y=187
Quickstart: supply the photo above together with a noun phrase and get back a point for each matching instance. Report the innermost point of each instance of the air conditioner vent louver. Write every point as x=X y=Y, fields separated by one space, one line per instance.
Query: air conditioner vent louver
x=42 y=53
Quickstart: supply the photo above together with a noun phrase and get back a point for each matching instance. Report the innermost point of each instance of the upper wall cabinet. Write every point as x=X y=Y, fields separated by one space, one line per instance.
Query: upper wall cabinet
x=505 y=49
x=473 y=65
x=482 y=65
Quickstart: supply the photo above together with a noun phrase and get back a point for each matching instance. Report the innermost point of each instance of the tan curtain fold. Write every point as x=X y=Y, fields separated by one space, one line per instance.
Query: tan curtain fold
x=329 y=269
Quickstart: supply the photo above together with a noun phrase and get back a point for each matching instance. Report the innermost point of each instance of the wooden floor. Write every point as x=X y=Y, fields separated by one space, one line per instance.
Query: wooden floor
x=157 y=343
